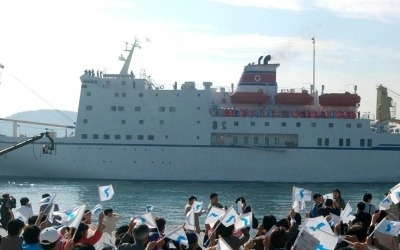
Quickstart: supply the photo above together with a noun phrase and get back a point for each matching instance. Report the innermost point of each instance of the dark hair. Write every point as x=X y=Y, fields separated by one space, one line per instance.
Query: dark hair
x=240 y=199
x=224 y=231
x=367 y=196
x=328 y=202
x=337 y=191
x=14 y=226
x=283 y=223
x=31 y=234
x=32 y=220
x=108 y=211
x=212 y=195
x=359 y=231
x=45 y=195
x=81 y=228
x=83 y=246
x=278 y=237
x=361 y=206
x=297 y=218
x=24 y=201
x=316 y=195
x=160 y=222
x=268 y=222
x=192 y=198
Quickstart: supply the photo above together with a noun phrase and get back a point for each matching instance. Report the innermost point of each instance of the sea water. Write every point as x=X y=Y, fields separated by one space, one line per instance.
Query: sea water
x=169 y=197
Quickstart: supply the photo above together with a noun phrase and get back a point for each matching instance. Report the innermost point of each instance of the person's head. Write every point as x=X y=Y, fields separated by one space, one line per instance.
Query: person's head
x=32 y=220
x=283 y=223
x=224 y=231
x=49 y=239
x=87 y=217
x=297 y=218
x=45 y=196
x=268 y=222
x=241 y=199
x=14 y=227
x=31 y=234
x=336 y=194
x=359 y=231
x=192 y=199
x=108 y=212
x=213 y=198
x=81 y=232
x=160 y=222
x=367 y=197
x=141 y=233
x=328 y=202
x=361 y=206
x=119 y=233
x=278 y=237
x=317 y=197
x=24 y=201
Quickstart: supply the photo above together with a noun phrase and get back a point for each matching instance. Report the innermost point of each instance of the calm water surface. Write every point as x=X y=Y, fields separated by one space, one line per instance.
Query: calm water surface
x=170 y=197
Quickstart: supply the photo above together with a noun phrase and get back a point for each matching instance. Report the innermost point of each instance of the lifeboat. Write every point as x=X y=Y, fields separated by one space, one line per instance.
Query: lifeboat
x=249 y=98
x=339 y=99
x=292 y=98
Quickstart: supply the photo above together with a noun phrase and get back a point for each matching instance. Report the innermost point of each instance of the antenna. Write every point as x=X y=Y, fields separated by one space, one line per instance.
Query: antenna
x=313 y=79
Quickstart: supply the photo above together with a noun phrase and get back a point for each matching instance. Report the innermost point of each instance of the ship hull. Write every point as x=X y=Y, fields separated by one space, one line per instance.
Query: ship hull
x=202 y=163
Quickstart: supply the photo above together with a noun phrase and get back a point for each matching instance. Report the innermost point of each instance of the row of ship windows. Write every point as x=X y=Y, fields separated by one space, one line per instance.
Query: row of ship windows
x=141 y=122
x=123 y=94
x=119 y=137
x=344 y=142
x=283 y=124
x=136 y=108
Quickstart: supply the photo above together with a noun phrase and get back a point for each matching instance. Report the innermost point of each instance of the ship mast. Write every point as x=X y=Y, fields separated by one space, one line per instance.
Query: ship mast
x=125 y=68
x=313 y=79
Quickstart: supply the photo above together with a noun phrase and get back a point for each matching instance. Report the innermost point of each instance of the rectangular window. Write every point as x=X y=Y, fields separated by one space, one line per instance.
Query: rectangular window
x=359 y=125
x=235 y=140
x=89 y=107
x=113 y=108
x=369 y=142
x=319 y=142
x=246 y=140
x=235 y=124
x=138 y=108
x=161 y=109
x=313 y=124
x=348 y=125
x=252 y=124
x=326 y=142
x=106 y=137
x=362 y=142
x=95 y=136
x=84 y=136
x=121 y=108
x=283 y=124
x=223 y=124
x=266 y=142
x=215 y=125
x=85 y=120
x=347 y=142
x=128 y=137
x=266 y=124
x=88 y=93
x=330 y=125
x=255 y=140
x=140 y=137
x=172 y=109
x=117 y=137
x=298 y=124
x=123 y=122
x=123 y=94
x=150 y=137
x=141 y=121
x=341 y=142
x=116 y=94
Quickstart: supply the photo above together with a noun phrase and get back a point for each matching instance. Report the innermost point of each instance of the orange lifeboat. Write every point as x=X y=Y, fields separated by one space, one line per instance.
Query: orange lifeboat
x=249 y=98
x=339 y=99
x=291 y=98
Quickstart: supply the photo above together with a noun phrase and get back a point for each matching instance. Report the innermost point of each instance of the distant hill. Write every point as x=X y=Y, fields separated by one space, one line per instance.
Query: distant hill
x=43 y=116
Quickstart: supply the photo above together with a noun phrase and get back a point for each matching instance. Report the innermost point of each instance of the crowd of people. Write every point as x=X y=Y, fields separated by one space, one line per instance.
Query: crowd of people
x=45 y=231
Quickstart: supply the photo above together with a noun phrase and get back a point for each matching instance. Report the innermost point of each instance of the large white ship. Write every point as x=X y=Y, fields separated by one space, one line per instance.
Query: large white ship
x=128 y=127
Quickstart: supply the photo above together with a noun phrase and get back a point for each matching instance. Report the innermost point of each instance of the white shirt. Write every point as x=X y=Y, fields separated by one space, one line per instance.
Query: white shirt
x=25 y=211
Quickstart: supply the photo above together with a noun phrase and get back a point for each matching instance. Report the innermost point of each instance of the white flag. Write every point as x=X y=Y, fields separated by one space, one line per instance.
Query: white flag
x=149 y=208
x=78 y=218
x=213 y=215
x=222 y=245
x=328 y=196
x=301 y=194
x=179 y=235
x=298 y=206
x=229 y=217
x=190 y=220
x=50 y=215
x=347 y=214
x=106 y=192
x=96 y=209
x=388 y=227
x=19 y=216
x=317 y=223
x=244 y=220
x=395 y=194
x=334 y=219
x=326 y=240
x=197 y=206
x=147 y=219
x=68 y=217
x=240 y=207
x=385 y=203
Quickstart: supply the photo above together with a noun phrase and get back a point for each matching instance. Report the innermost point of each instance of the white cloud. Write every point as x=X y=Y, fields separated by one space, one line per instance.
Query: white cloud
x=294 y=5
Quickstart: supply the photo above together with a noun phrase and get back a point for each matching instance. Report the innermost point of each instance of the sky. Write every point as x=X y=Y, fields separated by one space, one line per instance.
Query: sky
x=46 y=45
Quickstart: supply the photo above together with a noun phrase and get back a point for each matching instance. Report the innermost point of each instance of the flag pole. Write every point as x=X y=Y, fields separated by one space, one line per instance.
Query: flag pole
x=215 y=229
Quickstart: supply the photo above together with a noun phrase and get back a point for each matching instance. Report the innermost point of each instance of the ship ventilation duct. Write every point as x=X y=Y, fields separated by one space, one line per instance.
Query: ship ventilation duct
x=266 y=59
x=259 y=59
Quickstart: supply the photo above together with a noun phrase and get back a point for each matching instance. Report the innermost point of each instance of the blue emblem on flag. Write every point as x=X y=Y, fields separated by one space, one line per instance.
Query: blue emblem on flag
x=301 y=192
x=245 y=221
x=321 y=247
x=389 y=227
x=321 y=224
x=180 y=239
x=232 y=217
x=213 y=215
x=198 y=207
x=106 y=191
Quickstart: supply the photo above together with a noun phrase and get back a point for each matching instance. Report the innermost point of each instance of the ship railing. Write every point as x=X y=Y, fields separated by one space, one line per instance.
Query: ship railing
x=233 y=112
